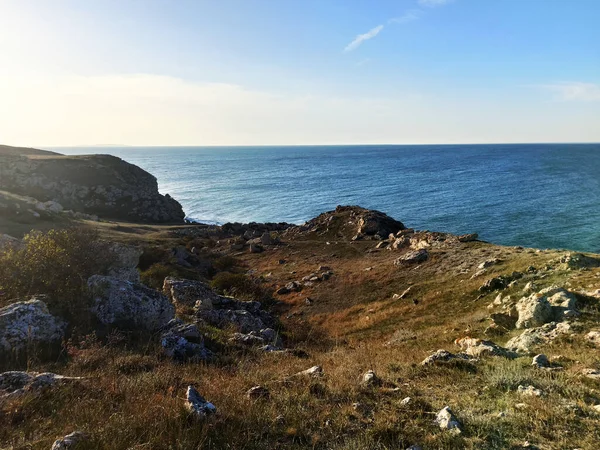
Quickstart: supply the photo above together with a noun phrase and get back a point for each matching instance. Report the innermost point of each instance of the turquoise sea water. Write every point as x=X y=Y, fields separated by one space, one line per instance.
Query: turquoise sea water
x=543 y=195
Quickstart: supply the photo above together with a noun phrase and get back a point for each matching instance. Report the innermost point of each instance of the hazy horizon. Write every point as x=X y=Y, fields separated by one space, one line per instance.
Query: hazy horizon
x=248 y=73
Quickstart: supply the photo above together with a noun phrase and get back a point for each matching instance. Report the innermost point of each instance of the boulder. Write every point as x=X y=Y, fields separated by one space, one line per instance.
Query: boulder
x=127 y=305
x=127 y=260
x=532 y=338
x=413 y=257
x=50 y=206
x=183 y=342
x=70 y=441
x=593 y=337
x=266 y=239
x=264 y=337
x=564 y=303
x=197 y=404
x=244 y=321
x=534 y=311
x=27 y=323
x=443 y=356
x=190 y=293
x=478 y=348
x=446 y=420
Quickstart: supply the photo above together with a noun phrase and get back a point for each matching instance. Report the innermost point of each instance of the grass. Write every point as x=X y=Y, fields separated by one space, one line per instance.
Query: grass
x=132 y=398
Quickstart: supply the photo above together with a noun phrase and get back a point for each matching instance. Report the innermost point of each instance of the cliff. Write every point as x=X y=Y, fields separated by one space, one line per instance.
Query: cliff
x=101 y=185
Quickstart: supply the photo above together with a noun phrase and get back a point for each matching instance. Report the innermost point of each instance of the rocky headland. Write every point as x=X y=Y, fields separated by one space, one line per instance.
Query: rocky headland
x=351 y=331
x=93 y=186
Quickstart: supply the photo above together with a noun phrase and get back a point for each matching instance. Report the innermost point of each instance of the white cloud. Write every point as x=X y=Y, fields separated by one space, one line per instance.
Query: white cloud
x=363 y=37
x=147 y=109
x=408 y=16
x=575 y=91
x=434 y=3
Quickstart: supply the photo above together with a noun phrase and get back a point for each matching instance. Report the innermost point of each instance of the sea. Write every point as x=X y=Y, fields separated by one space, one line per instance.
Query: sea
x=533 y=195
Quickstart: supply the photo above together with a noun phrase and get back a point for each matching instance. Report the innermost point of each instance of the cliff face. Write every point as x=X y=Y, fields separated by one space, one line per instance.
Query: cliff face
x=102 y=185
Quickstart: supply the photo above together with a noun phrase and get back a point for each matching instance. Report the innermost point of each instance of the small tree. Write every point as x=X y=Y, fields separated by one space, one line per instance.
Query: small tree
x=56 y=263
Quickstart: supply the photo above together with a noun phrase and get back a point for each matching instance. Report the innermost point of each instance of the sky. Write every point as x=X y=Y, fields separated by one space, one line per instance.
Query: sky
x=298 y=72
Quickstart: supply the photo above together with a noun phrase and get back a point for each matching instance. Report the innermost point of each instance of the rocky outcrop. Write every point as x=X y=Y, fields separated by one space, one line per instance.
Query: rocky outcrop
x=183 y=342
x=28 y=323
x=190 y=293
x=479 y=348
x=534 y=311
x=128 y=305
x=102 y=185
x=351 y=222
x=16 y=383
x=550 y=304
x=414 y=257
x=442 y=356
x=532 y=338
x=127 y=258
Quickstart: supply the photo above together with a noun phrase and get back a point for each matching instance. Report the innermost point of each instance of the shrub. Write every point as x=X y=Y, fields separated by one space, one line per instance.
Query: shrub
x=240 y=286
x=56 y=263
x=154 y=277
x=225 y=263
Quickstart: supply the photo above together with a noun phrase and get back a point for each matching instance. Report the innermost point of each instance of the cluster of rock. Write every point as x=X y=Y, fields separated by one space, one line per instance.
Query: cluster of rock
x=120 y=301
x=417 y=240
x=544 y=316
x=323 y=274
x=253 y=235
x=99 y=185
x=350 y=222
x=253 y=325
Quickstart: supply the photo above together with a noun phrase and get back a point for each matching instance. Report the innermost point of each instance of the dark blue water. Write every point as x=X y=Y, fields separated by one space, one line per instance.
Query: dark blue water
x=545 y=195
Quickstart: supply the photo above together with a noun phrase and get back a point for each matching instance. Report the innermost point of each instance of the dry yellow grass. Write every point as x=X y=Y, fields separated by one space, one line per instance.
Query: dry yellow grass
x=132 y=398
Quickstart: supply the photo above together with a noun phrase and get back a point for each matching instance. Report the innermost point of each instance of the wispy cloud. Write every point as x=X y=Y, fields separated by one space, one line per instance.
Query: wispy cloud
x=575 y=91
x=408 y=16
x=362 y=38
x=434 y=3
x=362 y=62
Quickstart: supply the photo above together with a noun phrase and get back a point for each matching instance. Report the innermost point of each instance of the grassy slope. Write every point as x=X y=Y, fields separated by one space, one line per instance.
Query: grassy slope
x=133 y=398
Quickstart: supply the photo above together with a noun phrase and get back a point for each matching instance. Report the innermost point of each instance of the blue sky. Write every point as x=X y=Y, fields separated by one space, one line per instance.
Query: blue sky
x=234 y=72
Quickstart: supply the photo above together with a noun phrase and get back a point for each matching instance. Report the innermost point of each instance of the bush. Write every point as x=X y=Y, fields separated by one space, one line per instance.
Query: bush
x=56 y=263
x=154 y=277
x=240 y=286
x=225 y=263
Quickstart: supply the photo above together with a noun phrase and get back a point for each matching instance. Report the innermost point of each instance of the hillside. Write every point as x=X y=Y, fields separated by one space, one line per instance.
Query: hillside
x=393 y=329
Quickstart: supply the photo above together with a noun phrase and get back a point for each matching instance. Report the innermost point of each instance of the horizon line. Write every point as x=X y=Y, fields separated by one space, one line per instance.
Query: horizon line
x=304 y=145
